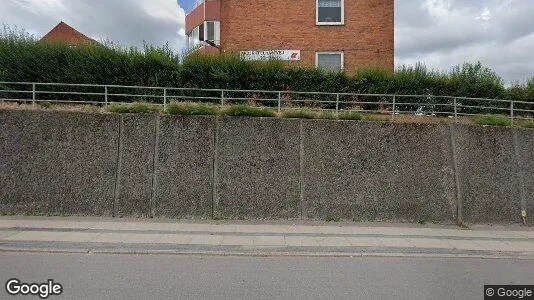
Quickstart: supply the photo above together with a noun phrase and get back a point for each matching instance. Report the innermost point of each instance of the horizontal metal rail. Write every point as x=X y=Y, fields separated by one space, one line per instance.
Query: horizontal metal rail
x=385 y=104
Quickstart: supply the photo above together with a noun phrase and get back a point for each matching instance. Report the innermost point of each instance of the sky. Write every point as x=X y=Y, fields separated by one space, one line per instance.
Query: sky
x=438 y=33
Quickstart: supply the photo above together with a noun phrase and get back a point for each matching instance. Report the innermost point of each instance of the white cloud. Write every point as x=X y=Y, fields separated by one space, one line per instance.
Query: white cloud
x=444 y=33
x=129 y=22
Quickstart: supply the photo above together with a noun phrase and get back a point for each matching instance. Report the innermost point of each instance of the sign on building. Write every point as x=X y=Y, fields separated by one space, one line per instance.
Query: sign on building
x=271 y=54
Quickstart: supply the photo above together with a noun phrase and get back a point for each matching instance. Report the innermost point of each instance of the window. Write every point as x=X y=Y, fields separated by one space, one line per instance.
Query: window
x=201 y=32
x=330 y=12
x=193 y=38
x=207 y=31
x=329 y=61
x=213 y=31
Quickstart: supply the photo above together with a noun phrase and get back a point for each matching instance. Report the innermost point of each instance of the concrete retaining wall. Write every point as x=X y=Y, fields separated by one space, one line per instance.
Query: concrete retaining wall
x=257 y=168
x=262 y=168
x=373 y=171
x=135 y=165
x=524 y=146
x=57 y=163
x=184 y=167
x=487 y=170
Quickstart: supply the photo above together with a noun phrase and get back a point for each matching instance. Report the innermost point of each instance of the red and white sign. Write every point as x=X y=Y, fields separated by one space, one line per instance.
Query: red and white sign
x=271 y=54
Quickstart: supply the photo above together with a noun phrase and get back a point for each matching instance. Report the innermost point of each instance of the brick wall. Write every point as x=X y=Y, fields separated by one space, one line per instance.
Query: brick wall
x=66 y=34
x=366 y=38
x=199 y=14
x=194 y=18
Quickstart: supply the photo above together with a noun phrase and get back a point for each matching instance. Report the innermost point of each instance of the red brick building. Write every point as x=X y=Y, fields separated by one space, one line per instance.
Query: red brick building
x=330 y=34
x=66 y=34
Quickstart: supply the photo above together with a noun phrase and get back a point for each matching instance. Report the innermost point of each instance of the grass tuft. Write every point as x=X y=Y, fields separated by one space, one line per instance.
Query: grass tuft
x=299 y=114
x=191 y=109
x=492 y=120
x=351 y=115
x=45 y=105
x=242 y=110
x=136 y=107
x=463 y=226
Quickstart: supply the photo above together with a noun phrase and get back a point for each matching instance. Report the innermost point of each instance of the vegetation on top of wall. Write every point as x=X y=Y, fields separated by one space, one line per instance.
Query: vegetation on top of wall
x=192 y=109
x=242 y=110
x=493 y=120
x=135 y=107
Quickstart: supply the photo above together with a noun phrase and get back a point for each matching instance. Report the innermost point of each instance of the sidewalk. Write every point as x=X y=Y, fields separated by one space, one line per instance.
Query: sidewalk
x=89 y=235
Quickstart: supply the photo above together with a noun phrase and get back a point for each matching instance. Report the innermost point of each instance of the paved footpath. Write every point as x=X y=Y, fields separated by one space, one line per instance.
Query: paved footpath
x=96 y=235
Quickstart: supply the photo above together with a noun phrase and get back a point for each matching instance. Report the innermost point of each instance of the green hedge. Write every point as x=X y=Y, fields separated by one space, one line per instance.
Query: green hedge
x=23 y=58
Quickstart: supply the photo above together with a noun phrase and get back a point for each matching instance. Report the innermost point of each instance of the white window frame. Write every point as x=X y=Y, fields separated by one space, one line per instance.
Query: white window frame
x=331 y=52
x=330 y=23
x=217 y=28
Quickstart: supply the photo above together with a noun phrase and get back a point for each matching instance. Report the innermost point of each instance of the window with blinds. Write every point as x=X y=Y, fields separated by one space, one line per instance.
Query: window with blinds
x=330 y=12
x=329 y=61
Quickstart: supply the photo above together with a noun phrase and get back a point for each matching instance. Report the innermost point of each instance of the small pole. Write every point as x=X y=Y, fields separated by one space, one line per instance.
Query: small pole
x=455 y=110
x=512 y=112
x=222 y=97
x=164 y=98
x=394 y=107
x=337 y=104
x=106 y=94
x=33 y=93
x=279 y=101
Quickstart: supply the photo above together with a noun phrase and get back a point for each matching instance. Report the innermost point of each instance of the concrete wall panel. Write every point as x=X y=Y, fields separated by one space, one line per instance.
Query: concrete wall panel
x=487 y=170
x=373 y=171
x=136 y=164
x=57 y=162
x=184 y=168
x=257 y=170
x=525 y=149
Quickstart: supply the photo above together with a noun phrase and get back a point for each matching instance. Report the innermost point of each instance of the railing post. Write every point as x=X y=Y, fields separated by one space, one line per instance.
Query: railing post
x=222 y=97
x=455 y=110
x=33 y=93
x=164 y=98
x=106 y=94
x=394 y=107
x=337 y=104
x=279 y=102
x=512 y=112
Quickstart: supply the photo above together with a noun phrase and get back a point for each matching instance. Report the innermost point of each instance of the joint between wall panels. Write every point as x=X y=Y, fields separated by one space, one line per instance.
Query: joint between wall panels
x=214 y=167
x=458 y=192
x=154 y=162
x=118 y=167
x=301 y=169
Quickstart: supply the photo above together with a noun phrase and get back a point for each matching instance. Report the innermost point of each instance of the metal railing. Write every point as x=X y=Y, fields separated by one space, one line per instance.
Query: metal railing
x=390 y=104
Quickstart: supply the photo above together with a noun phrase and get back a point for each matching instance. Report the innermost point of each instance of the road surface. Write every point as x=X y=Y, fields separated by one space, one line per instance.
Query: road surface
x=122 y=276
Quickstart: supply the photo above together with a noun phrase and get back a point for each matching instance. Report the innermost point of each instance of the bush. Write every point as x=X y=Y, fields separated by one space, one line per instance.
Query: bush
x=136 y=107
x=24 y=59
x=493 y=120
x=247 y=111
x=191 y=109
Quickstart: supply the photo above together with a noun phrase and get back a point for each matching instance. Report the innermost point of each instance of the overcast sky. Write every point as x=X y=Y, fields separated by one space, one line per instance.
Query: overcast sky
x=439 y=33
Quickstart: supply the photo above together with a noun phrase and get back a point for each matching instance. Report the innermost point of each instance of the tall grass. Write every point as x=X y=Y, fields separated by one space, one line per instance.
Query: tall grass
x=492 y=120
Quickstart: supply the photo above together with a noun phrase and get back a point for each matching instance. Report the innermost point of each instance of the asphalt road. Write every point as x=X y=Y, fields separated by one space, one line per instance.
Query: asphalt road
x=101 y=276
